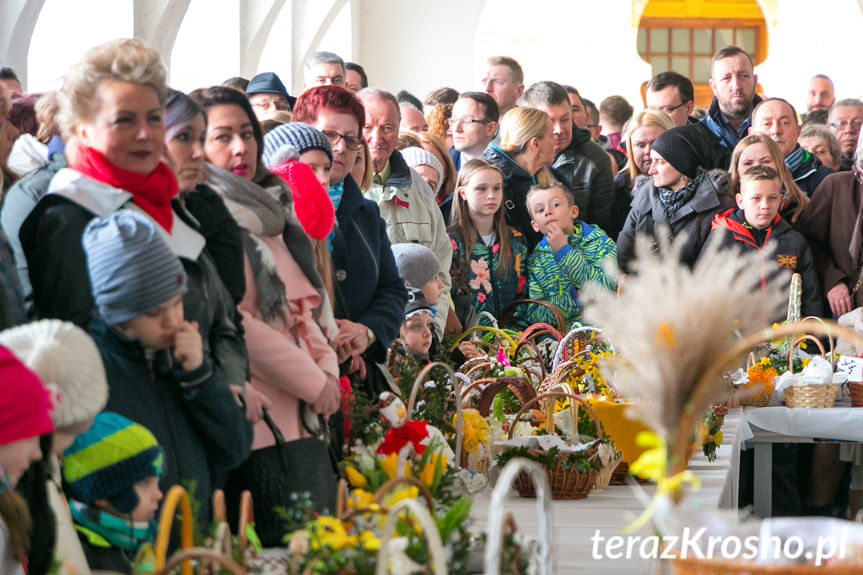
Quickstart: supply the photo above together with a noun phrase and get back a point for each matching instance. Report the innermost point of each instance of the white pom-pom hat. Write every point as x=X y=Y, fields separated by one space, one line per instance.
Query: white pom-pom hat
x=69 y=364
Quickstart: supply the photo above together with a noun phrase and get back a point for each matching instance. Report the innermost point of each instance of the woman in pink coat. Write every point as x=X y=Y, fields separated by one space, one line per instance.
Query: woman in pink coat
x=286 y=315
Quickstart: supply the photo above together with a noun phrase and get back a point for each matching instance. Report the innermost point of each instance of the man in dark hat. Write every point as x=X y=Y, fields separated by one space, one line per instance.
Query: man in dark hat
x=268 y=96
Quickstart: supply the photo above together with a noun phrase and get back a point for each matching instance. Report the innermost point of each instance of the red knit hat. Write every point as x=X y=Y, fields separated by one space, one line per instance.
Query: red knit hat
x=25 y=405
x=312 y=202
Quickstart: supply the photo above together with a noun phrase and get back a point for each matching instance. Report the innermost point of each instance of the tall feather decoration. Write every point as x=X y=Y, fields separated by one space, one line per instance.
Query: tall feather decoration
x=670 y=323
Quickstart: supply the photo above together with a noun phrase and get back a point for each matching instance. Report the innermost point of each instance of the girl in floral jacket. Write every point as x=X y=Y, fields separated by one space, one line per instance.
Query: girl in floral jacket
x=489 y=265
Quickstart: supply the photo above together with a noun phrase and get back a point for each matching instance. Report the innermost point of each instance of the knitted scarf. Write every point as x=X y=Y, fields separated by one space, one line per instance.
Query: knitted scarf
x=153 y=192
x=121 y=533
x=266 y=212
x=336 y=192
x=673 y=200
x=796 y=158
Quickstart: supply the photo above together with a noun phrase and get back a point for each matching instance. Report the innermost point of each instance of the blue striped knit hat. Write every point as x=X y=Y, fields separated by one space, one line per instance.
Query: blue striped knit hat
x=132 y=269
x=107 y=460
x=297 y=134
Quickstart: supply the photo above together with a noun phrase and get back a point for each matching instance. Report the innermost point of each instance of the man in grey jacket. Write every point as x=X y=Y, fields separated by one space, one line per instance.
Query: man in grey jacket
x=584 y=166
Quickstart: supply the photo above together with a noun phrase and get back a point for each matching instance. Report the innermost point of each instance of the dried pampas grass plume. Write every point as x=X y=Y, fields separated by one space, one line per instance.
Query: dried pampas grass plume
x=670 y=323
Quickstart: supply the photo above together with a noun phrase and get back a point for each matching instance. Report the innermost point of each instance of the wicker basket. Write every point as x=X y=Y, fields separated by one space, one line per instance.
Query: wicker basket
x=755 y=400
x=604 y=475
x=565 y=483
x=817 y=396
x=855 y=390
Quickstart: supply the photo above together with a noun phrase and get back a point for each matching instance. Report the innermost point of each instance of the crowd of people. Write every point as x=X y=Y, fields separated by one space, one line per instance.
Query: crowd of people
x=173 y=266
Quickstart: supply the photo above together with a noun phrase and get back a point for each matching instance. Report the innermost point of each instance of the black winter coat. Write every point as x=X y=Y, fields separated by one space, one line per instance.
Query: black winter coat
x=792 y=251
x=694 y=217
x=202 y=429
x=586 y=170
x=367 y=286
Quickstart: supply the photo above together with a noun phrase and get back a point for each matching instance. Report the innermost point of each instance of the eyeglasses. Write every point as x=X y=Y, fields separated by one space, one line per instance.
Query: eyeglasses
x=667 y=109
x=455 y=122
x=843 y=125
x=591 y=126
x=351 y=142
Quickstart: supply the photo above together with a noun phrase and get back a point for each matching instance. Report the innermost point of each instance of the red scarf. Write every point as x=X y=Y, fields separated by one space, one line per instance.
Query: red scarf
x=152 y=192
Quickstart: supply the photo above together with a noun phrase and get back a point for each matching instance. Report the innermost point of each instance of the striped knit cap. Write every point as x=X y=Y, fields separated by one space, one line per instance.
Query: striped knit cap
x=107 y=460
x=132 y=269
x=297 y=134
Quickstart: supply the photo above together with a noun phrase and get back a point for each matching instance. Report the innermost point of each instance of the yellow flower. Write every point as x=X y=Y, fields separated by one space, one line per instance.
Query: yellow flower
x=327 y=531
x=428 y=473
x=805 y=361
x=474 y=429
x=665 y=334
x=405 y=493
x=389 y=463
x=650 y=464
x=765 y=361
x=717 y=437
x=355 y=478
x=369 y=541
x=360 y=498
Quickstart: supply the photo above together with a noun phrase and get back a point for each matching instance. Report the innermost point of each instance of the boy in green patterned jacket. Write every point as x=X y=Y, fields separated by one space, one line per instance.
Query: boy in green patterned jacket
x=570 y=254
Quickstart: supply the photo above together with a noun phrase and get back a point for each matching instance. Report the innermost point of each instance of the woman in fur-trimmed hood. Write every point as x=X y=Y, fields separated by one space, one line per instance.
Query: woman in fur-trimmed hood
x=287 y=318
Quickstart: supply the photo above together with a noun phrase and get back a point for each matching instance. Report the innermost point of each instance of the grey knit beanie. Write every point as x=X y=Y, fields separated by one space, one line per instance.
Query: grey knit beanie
x=132 y=269
x=297 y=134
x=417 y=264
x=415 y=156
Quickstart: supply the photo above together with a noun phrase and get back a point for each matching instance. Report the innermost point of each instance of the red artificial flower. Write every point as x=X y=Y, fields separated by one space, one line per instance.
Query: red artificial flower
x=397 y=437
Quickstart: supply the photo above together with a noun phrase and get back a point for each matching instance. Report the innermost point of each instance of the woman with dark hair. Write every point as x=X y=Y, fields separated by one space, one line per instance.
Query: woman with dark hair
x=285 y=305
x=370 y=296
x=208 y=301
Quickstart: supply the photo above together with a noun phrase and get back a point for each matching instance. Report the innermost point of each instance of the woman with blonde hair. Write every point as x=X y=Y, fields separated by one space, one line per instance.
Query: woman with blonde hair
x=760 y=150
x=362 y=170
x=641 y=130
x=113 y=104
x=525 y=150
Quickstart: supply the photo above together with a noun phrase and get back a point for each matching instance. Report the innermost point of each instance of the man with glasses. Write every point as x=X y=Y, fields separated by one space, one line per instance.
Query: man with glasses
x=268 y=96
x=844 y=121
x=405 y=200
x=473 y=124
x=673 y=94
x=583 y=164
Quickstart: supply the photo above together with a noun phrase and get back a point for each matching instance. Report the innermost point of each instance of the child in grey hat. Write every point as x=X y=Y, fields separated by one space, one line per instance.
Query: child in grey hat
x=158 y=374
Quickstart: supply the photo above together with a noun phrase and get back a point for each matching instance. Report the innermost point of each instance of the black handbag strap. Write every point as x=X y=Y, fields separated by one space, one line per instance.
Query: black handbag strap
x=277 y=433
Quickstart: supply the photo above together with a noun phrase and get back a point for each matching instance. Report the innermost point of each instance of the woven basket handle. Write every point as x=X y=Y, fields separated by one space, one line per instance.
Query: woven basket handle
x=177 y=497
x=220 y=512
x=523 y=389
x=430 y=530
x=186 y=556
x=821 y=321
x=497 y=514
x=474 y=364
x=797 y=342
x=556 y=394
x=456 y=384
x=538 y=329
x=478 y=328
x=560 y=354
x=534 y=355
x=559 y=318
x=558 y=376
x=247 y=518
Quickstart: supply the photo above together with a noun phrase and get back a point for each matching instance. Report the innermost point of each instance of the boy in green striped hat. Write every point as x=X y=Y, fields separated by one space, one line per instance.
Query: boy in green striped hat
x=112 y=471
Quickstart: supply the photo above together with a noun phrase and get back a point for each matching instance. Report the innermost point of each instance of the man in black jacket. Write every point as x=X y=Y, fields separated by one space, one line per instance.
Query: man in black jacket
x=733 y=82
x=583 y=165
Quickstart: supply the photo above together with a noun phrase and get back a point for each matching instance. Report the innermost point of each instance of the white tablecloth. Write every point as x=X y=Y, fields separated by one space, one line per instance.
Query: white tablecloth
x=608 y=511
x=844 y=423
